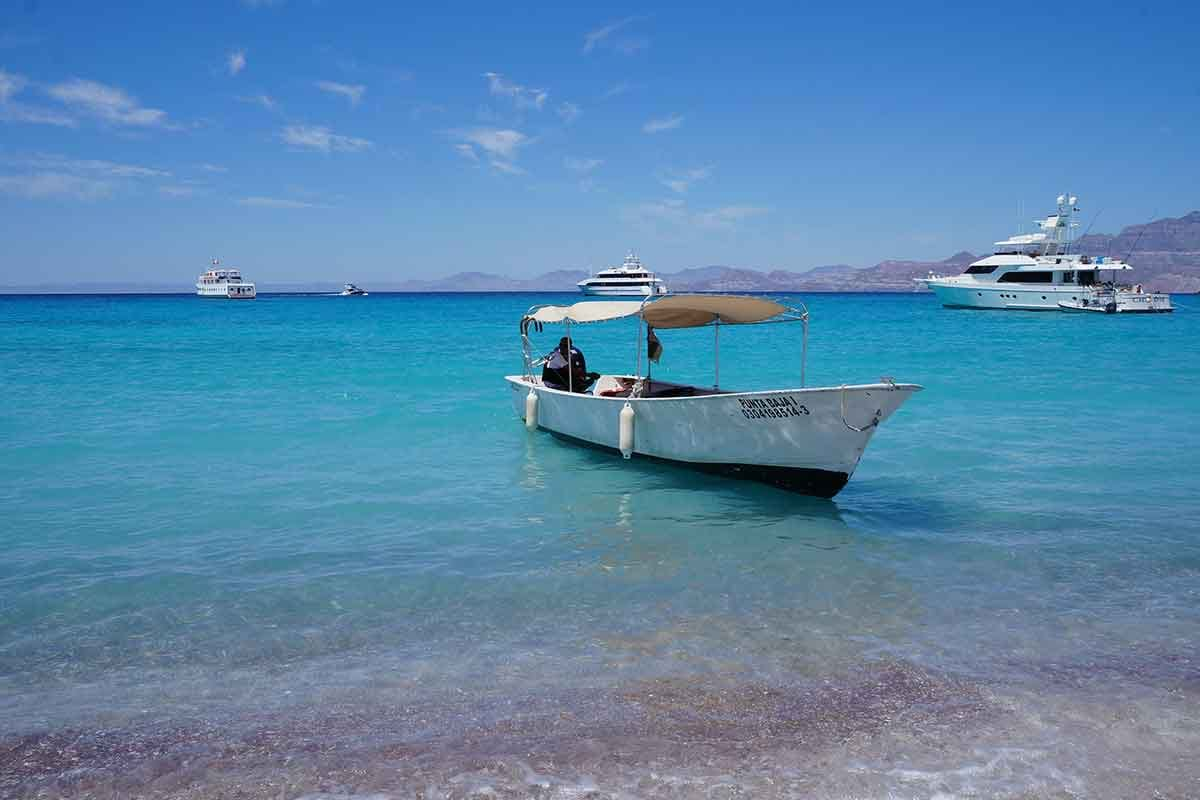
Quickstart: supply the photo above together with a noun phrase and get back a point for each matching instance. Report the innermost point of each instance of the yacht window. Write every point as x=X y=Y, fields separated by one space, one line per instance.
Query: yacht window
x=1027 y=277
x=981 y=269
x=1068 y=277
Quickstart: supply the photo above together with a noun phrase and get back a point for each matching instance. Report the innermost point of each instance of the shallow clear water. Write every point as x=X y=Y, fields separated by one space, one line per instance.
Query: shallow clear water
x=302 y=545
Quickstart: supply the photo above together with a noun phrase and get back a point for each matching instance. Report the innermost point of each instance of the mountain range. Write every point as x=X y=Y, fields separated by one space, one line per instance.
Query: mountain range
x=1165 y=254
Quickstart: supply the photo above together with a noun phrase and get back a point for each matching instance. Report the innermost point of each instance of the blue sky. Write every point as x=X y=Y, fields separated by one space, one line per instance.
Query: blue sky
x=311 y=140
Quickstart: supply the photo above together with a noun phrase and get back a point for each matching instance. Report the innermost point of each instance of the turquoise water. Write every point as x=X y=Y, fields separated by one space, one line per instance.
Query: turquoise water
x=303 y=545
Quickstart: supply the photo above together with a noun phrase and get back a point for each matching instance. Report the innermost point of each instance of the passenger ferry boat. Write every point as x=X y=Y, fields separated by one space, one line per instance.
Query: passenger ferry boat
x=1038 y=272
x=630 y=279
x=225 y=284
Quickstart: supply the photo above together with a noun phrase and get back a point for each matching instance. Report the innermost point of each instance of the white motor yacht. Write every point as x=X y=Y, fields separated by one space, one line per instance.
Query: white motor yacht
x=1038 y=272
x=807 y=440
x=630 y=279
x=351 y=290
x=226 y=284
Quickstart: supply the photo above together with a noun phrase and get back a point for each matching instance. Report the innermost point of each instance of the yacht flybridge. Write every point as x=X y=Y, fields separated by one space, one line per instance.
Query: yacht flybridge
x=1038 y=272
x=225 y=284
x=630 y=279
x=807 y=440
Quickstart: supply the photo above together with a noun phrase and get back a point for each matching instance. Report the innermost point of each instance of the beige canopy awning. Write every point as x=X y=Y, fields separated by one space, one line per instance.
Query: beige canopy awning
x=586 y=311
x=672 y=311
x=696 y=310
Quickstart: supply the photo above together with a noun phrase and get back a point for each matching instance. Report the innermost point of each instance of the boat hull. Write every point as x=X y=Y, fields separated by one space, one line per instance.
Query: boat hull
x=623 y=291
x=793 y=438
x=957 y=293
x=1009 y=296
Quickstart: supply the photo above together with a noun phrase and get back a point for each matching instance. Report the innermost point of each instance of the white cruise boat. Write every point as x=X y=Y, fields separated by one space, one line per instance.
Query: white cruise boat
x=805 y=439
x=226 y=284
x=1038 y=272
x=351 y=290
x=630 y=279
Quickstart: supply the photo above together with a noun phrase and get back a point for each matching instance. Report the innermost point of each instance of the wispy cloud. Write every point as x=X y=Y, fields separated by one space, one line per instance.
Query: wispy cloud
x=467 y=151
x=262 y=3
x=679 y=181
x=506 y=167
x=601 y=36
x=316 y=137
x=278 y=202
x=675 y=214
x=569 y=112
x=352 y=92
x=109 y=169
x=262 y=100
x=500 y=145
x=12 y=84
x=213 y=168
x=236 y=61
x=582 y=165
x=522 y=96
x=107 y=103
x=177 y=191
x=49 y=175
x=665 y=124
x=43 y=185
x=616 y=90
x=727 y=216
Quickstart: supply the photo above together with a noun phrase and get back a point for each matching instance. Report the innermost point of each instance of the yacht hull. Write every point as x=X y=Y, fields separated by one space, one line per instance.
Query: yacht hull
x=1011 y=296
x=955 y=293
x=797 y=439
x=622 y=291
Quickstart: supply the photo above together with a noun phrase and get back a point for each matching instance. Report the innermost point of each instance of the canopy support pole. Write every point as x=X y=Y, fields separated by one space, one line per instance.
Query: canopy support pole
x=570 y=365
x=637 y=347
x=717 y=353
x=804 y=349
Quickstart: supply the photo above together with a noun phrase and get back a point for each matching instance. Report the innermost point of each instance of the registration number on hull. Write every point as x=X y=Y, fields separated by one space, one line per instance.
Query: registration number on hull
x=778 y=407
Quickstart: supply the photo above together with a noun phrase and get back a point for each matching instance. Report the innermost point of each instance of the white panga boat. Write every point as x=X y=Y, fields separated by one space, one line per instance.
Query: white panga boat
x=808 y=440
x=1038 y=272
x=350 y=290
x=630 y=279
x=224 y=283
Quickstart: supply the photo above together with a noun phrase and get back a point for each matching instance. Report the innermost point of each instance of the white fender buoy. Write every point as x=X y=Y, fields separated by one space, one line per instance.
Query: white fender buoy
x=531 y=410
x=625 y=439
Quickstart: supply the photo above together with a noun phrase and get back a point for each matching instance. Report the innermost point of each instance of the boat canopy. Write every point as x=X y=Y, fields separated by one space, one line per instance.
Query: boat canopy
x=586 y=311
x=672 y=311
x=698 y=310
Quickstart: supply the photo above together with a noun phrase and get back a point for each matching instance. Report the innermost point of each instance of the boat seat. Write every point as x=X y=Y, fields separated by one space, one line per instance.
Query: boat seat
x=612 y=386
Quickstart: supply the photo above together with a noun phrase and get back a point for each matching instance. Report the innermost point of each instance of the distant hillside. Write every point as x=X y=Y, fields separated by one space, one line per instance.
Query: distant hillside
x=1165 y=253
x=1166 y=256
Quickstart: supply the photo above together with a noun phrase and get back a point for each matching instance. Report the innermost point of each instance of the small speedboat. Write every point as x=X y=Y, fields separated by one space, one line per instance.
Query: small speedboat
x=351 y=290
x=807 y=440
x=1096 y=306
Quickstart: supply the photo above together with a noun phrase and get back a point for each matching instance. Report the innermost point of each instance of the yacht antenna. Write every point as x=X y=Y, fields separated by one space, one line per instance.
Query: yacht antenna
x=1088 y=229
x=1139 y=236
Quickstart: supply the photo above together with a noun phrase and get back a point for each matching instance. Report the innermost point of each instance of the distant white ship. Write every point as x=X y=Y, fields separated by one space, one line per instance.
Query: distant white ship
x=224 y=283
x=1038 y=272
x=351 y=290
x=630 y=279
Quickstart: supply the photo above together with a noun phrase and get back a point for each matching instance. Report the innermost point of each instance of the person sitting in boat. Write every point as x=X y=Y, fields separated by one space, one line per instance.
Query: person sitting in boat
x=566 y=368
